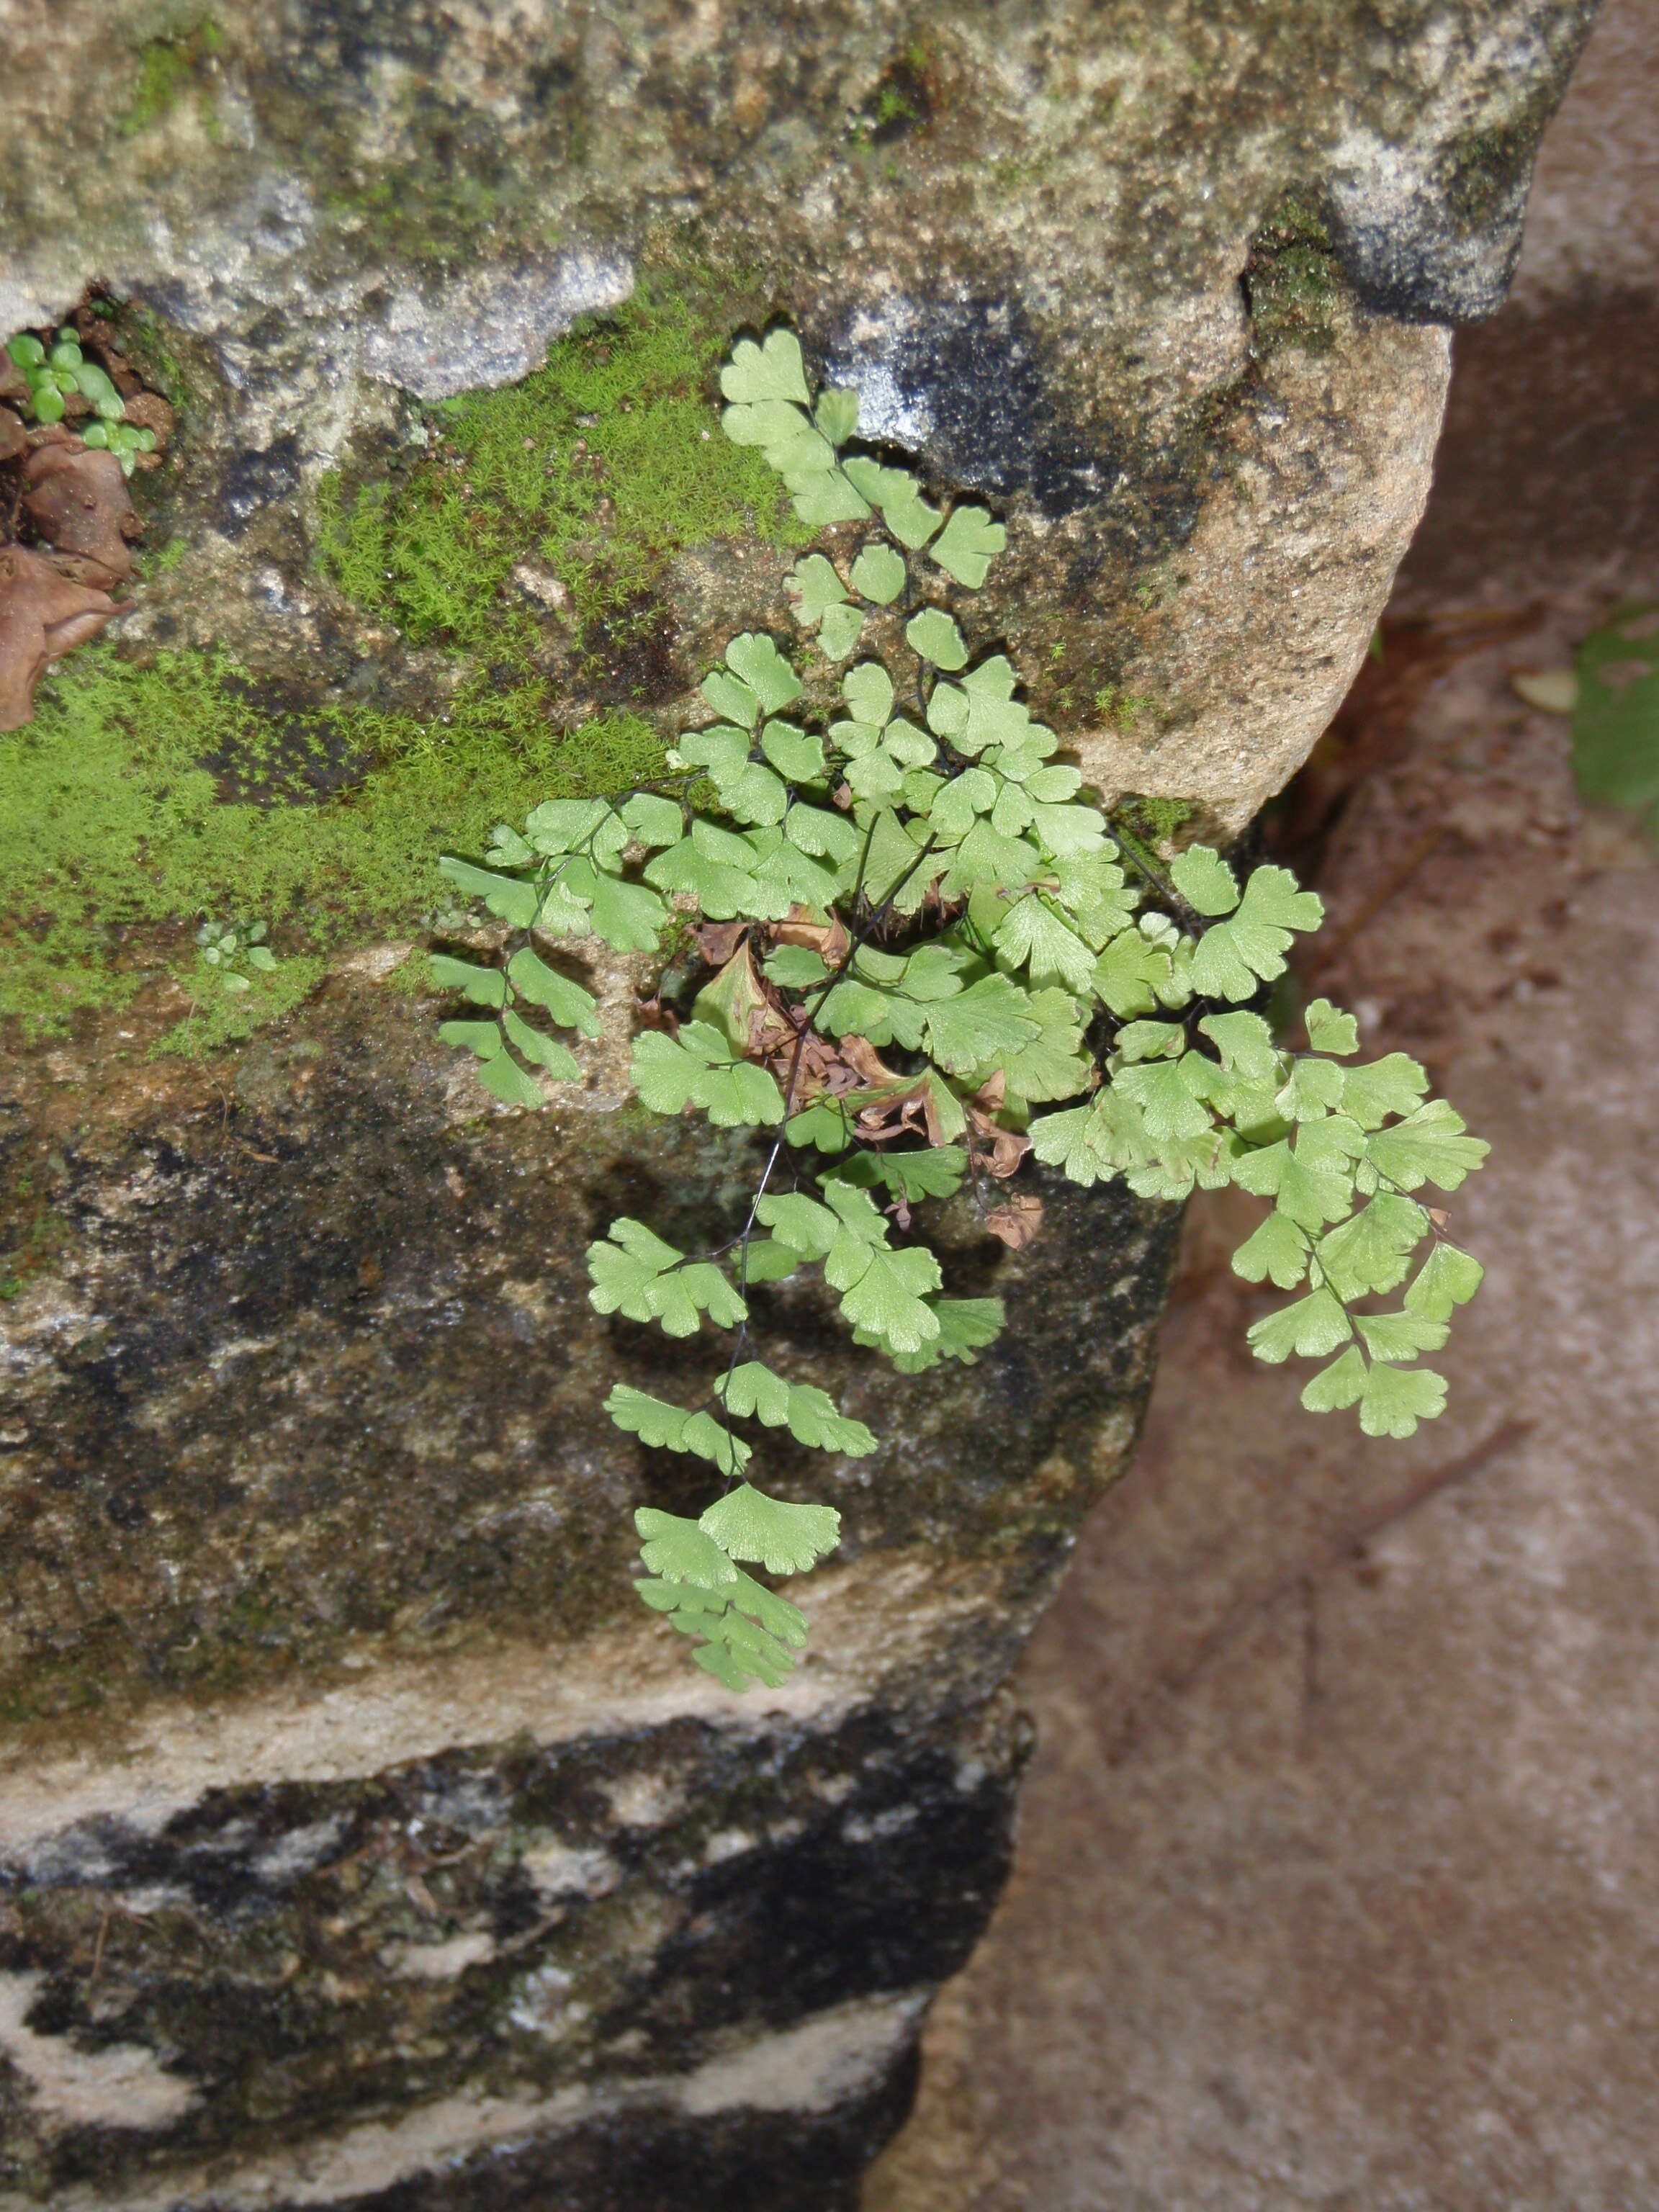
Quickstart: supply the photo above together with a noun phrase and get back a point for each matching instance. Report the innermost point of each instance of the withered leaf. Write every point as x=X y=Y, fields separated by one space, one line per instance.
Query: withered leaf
x=717 y=941
x=867 y=1064
x=43 y=615
x=900 y=1113
x=13 y=439
x=988 y=1098
x=77 y=498
x=1016 y=1223
x=998 y=1150
x=828 y=939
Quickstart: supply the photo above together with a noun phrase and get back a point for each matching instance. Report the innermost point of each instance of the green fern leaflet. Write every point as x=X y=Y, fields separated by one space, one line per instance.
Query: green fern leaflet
x=932 y=957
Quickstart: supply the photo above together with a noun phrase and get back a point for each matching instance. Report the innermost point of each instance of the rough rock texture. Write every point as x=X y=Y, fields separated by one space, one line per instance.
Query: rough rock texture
x=355 y=1816
x=365 y=1844
x=1548 y=479
x=1023 y=233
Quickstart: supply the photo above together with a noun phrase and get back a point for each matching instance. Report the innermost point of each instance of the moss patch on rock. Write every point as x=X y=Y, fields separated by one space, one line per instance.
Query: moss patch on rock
x=146 y=796
x=113 y=823
x=600 y=466
x=167 y=70
x=1290 y=281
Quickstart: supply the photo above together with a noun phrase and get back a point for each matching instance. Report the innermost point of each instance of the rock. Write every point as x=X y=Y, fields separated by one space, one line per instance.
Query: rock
x=403 y=1836
x=1429 y=189
x=372 y=1845
x=491 y=326
x=1548 y=476
x=1004 y=230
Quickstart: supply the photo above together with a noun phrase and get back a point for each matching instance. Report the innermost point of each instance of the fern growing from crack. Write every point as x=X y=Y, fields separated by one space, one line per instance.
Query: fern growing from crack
x=917 y=875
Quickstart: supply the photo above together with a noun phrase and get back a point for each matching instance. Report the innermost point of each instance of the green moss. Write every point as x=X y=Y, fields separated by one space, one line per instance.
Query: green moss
x=603 y=465
x=218 y=1017
x=1152 y=822
x=1290 y=280
x=41 y=1235
x=113 y=821
x=1123 y=709
x=165 y=67
x=142 y=798
x=429 y=211
x=142 y=338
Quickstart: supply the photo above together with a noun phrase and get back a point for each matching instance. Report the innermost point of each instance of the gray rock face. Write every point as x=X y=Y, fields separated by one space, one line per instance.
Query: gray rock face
x=1025 y=232
x=1562 y=380
x=1430 y=191
x=488 y=328
x=364 y=1840
x=366 y=1845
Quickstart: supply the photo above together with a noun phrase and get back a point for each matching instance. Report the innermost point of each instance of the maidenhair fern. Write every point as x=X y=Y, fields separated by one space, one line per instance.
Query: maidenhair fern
x=915 y=874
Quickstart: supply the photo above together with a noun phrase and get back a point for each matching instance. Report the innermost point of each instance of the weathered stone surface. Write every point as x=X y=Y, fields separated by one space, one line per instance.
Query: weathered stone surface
x=365 y=1845
x=1024 y=233
x=356 y=1817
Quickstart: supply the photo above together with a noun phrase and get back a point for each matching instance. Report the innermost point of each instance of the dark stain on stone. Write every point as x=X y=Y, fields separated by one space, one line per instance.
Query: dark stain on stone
x=901 y=103
x=1448 y=253
x=640 y=2161
x=249 y=1939
x=552 y=82
x=361 y=34
x=972 y=373
x=283 y=750
x=256 y=479
x=628 y=657
x=339 y=1418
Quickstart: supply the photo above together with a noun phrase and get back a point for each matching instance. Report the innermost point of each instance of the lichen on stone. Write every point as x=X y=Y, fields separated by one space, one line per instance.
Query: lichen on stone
x=1291 y=282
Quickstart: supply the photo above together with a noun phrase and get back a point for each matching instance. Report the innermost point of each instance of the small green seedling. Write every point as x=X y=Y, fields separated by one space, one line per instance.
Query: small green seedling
x=53 y=374
x=231 y=949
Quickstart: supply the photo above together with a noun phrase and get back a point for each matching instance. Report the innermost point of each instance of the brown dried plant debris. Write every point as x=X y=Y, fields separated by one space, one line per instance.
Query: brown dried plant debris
x=76 y=498
x=884 y=1103
x=1017 y=1224
x=66 y=523
x=43 y=615
x=997 y=1150
x=717 y=941
x=828 y=939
